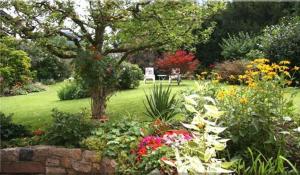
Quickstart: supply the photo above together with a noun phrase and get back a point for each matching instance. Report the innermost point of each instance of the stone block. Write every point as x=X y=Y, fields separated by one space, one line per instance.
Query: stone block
x=9 y=154
x=26 y=154
x=90 y=156
x=65 y=152
x=22 y=167
x=52 y=162
x=55 y=171
x=83 y=167
x=66 y=162
x=41 y=153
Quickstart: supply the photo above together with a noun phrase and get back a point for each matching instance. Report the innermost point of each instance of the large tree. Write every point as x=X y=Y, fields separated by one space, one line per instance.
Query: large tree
x=103 y=27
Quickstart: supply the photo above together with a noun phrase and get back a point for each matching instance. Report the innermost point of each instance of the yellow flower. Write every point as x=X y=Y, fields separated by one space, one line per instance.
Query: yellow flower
x=249 y=66
x=243 y=100
x=220 y=95
x=286 y=73
x=295 y=68
x=284 y=62
x=203 y=73
x=261 y=60
x=252 y=84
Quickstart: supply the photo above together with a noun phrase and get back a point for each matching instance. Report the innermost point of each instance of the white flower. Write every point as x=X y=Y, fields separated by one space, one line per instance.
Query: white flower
x=287 y=118
x=297 y=129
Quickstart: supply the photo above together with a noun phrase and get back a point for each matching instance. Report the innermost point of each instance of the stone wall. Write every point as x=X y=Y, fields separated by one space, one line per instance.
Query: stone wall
x=53 y=160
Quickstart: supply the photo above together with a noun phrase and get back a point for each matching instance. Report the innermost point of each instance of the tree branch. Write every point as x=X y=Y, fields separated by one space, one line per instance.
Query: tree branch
x=59 y=54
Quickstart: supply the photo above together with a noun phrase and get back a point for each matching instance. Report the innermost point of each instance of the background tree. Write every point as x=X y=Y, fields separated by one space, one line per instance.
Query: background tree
x=105 y=28
x=250 y=17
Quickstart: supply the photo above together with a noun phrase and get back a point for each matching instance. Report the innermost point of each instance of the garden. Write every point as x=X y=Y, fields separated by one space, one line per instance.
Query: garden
x=150 y=87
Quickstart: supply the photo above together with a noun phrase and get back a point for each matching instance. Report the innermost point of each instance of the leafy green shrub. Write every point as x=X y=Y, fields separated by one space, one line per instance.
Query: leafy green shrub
x=10 y=130
x=69 y=129
x=238 y=46
x=230 y=70
x=130 y=76
x=51 y=68
x=116 y=140
x=14 y=65
x=261 y=165
x=161 y=104
x=72 y=90
x=282 y=41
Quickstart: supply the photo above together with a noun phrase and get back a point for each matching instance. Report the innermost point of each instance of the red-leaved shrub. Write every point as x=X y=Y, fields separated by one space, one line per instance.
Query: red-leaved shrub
x=180 y=59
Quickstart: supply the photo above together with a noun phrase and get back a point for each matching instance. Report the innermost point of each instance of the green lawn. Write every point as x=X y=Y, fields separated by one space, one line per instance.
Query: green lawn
x=35 y=109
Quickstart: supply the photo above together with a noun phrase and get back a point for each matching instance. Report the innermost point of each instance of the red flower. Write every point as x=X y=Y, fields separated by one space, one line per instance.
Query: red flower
x=142 y=151
x=38 y=132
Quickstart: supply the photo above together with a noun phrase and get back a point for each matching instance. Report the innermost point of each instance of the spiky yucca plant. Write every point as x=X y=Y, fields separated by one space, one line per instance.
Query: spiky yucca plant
x=160 y=103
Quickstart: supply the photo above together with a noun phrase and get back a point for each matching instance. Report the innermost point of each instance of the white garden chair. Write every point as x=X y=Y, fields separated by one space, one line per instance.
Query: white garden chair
x=149 y=74
x=175 y=75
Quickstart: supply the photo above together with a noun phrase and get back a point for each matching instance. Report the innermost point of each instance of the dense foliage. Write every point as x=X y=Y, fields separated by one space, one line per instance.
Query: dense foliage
x=68 y=129
x=282 y=41
x=51 y=68
x=250 y=17
x=241 y=46
x=72 y=90
x=14 y=65
x=129 y=76
x=10 y=130
x=116 y=140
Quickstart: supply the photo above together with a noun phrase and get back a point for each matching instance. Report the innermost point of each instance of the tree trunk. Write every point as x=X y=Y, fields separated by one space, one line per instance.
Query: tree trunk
x=98 y=96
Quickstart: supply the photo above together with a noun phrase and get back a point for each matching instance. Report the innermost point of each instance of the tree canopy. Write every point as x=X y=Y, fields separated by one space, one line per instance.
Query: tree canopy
x=107 y=27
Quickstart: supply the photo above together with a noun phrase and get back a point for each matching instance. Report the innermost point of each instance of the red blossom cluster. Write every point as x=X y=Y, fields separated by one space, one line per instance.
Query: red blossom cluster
x=152 y=143
x=181 y=59
x=38 y=132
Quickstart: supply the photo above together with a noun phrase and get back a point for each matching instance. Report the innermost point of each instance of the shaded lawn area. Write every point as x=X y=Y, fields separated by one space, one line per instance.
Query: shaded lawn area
x=34 y=109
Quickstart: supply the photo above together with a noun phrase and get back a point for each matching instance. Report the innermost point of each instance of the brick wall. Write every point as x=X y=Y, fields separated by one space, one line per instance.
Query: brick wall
x=53 y=160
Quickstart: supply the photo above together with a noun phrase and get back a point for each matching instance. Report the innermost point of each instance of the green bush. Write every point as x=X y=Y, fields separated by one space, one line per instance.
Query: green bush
x=230 y=70
x=240 y=46
x=69 y=129
x=116 y=140
x=72 y=90
x=161 y=104
x=130 y=76
x=51 y=68
x=282 y=41
x=14 y=65
x=10 y=130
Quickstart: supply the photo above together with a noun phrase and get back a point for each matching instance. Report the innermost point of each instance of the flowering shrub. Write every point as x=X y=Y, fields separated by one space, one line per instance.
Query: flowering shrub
x=255 y=111
x=181 y=59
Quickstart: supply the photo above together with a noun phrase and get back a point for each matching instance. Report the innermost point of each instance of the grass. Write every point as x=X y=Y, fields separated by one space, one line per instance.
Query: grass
x=34 y=110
